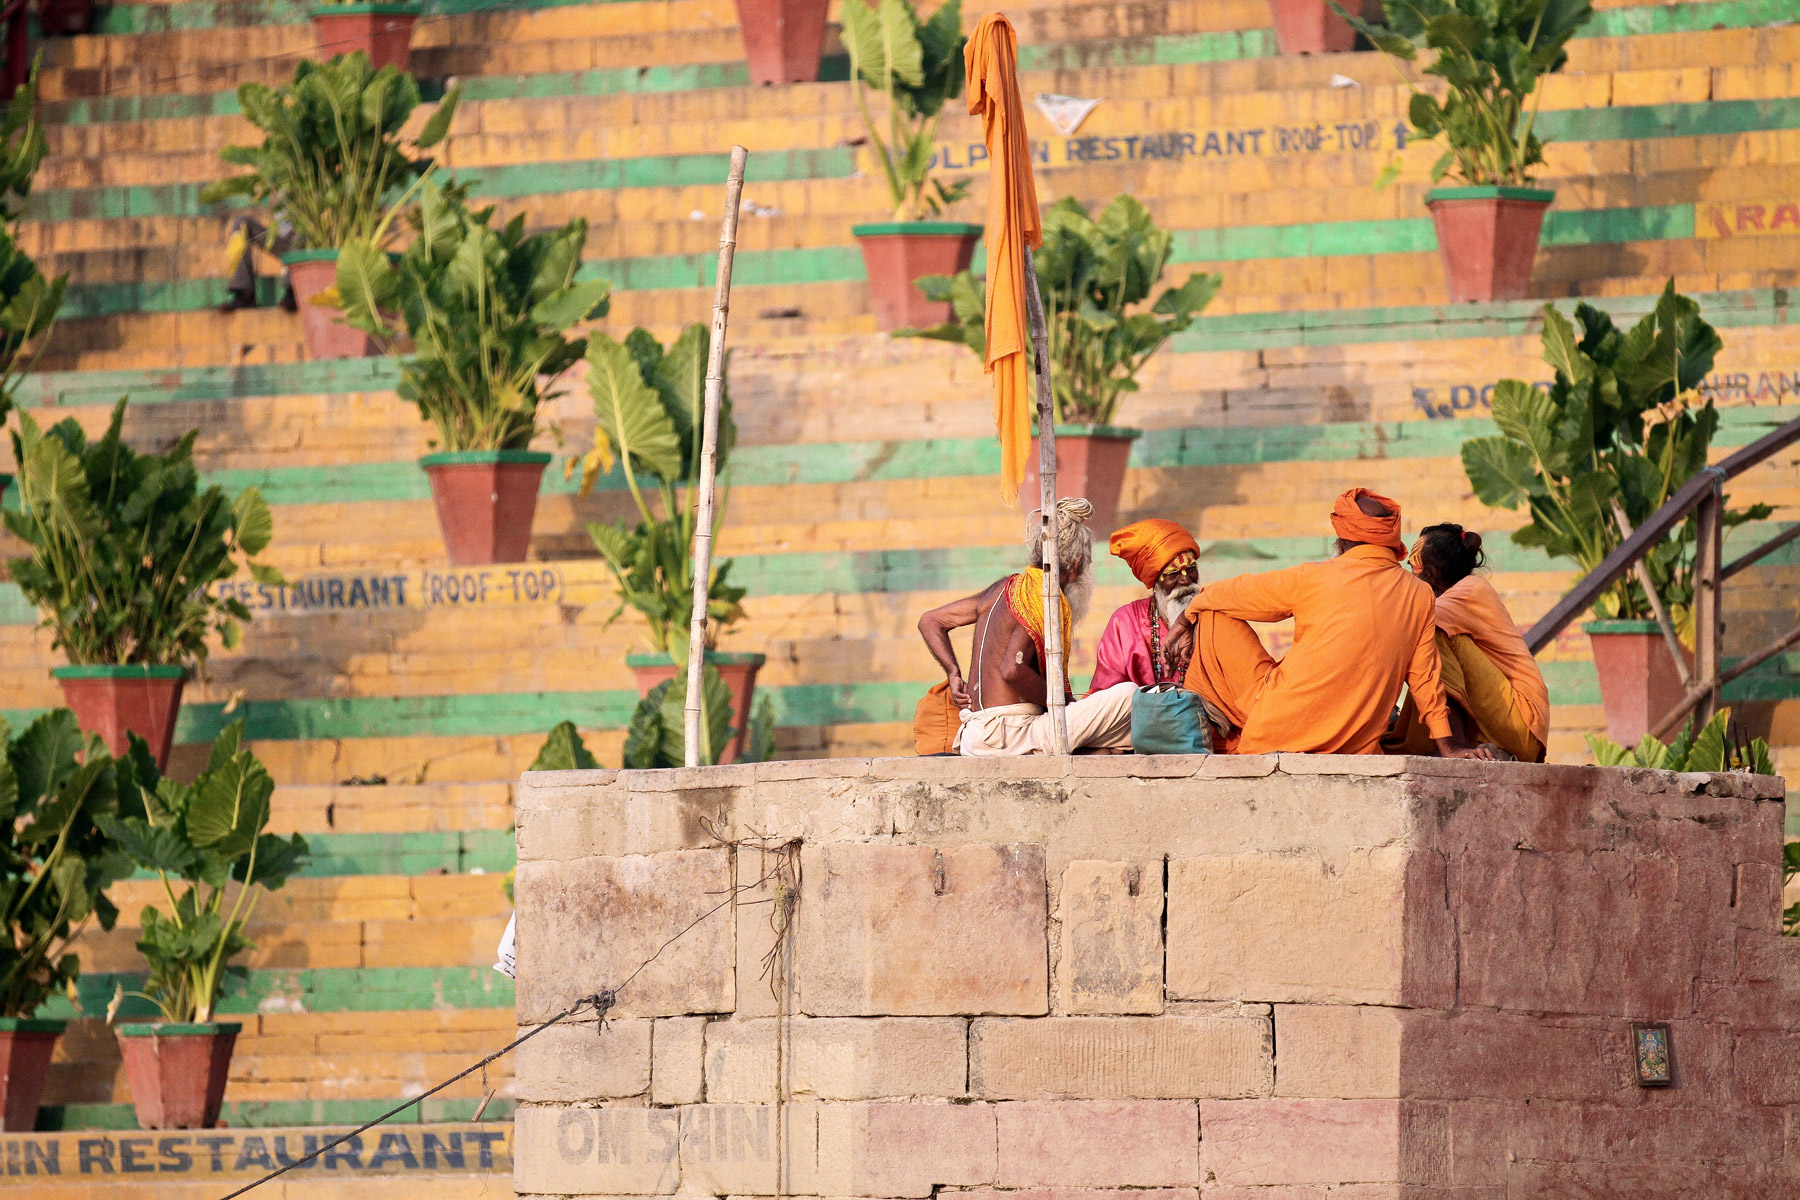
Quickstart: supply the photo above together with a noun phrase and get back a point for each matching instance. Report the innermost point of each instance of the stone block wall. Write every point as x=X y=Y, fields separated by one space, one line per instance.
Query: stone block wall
x=1269 y=978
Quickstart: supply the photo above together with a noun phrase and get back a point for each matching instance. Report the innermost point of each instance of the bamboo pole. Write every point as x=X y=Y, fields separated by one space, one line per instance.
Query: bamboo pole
x=1046 y=419
x=709 y=463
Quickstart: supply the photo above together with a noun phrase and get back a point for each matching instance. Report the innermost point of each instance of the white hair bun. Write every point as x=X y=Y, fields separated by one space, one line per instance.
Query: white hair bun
x=1075 y=509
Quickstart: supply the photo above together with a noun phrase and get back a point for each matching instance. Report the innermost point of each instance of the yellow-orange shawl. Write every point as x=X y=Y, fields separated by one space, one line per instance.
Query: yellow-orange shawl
x=1013 y=223
x=1025 y=600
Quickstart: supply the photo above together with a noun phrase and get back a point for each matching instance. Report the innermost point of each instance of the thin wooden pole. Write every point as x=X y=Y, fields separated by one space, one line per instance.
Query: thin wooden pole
x=1046 y=418
x=1642 y=568
x=709 y=462
x=1708 y=610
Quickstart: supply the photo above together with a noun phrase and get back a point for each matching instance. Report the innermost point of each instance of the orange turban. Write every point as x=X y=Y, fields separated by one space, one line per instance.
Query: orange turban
x=1354 y=525
x=1150 y=546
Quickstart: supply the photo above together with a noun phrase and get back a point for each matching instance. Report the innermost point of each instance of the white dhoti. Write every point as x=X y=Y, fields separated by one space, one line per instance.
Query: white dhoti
x=1101 y=721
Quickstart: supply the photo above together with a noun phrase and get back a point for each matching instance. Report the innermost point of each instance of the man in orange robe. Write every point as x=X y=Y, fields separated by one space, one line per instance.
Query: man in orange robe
x=1363 y=625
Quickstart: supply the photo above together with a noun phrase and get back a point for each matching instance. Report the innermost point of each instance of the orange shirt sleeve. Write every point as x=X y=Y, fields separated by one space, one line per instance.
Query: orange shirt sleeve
x=1269 y=596
x=1422 y=676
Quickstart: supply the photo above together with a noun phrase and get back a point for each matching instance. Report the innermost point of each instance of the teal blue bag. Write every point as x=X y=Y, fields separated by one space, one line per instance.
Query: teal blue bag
x=1167 y=719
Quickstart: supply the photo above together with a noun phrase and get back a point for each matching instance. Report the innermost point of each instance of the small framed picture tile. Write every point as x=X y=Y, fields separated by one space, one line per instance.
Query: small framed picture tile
x=1653 y=1050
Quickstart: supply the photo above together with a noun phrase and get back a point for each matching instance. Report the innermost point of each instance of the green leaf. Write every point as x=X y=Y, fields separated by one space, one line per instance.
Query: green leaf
x=643 y=738
x=438 y=125
x=152 y=847
x=628 y=411
x=1709 y=752
x=1500 y=470
x=884 y=43
x=255 y=524
x=581 y=302
x=277 y=859
x=230 y=806
x=367 y=284
x=1529 y=417
x=563 y=750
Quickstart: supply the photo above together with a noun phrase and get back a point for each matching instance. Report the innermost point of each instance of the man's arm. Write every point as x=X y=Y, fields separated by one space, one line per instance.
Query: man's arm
x=935 y=627
x=1268 y=596
x=1422 y=676
x=1020 y=668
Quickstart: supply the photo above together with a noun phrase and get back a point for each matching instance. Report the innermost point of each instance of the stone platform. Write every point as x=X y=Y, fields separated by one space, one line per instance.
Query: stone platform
x=1287 y=977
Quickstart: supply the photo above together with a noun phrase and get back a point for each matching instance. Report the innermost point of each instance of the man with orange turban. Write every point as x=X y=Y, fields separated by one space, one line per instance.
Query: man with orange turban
x=1363 y=625
x=1164 y=557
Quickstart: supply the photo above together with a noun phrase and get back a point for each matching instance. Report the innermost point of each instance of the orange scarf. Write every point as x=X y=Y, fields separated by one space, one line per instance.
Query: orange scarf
x=1013 y=223
x=1025 y=600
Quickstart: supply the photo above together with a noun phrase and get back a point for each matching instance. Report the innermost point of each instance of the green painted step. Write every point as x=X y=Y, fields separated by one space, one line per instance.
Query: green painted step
x=1753 y=307
x=275 y=1114
x=485 y=851
x=315 y=990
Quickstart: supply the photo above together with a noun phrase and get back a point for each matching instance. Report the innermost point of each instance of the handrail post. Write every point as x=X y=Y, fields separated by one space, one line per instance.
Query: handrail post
x=1708 y=609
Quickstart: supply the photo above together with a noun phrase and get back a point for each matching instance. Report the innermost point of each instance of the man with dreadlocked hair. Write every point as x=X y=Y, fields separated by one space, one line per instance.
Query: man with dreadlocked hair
x=1003 y=709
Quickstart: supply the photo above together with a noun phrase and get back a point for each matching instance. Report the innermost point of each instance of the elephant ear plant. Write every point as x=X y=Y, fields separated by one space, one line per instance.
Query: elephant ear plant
x=55 y=861
x=648 y=409
x=1623 y=427
x=198 y=839
x=918 y=66
x=1095 y=276
x=1492 y=55
x=488 y=311
x=29 y=301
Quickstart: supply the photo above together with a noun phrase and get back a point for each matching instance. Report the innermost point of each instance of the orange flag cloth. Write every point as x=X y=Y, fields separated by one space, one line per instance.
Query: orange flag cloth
x=1354 y=525
x=1148 y=547
x=1013 y=223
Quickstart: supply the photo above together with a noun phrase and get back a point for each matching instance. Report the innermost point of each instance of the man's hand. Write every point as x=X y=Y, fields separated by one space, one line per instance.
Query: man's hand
x=1481 y=753
x=959 y=691
x=1181 y=637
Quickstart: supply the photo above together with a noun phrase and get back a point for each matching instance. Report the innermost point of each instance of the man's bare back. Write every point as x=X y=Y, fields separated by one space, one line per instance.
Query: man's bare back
x=1005 y=659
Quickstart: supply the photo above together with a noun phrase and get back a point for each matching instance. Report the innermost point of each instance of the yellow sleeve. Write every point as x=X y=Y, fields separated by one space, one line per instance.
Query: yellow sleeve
x=1422 y=676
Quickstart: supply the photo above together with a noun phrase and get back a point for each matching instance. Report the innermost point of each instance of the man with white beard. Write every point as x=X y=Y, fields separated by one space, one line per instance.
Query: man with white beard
x=1135 y=647
x=1003 y=707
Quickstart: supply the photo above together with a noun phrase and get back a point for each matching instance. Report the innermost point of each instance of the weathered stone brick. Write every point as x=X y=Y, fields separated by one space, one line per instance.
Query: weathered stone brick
x=580 y=1062
x=904 y=1150
x=584 y=926
x=1098 y=1143
x=1295 y=928
x=1301 y=1141
x=1768 y=1067
x=754 y=1149
x=677 y=1069
x=1120 y=1057
x=1112 y=953
x=596 y=1151
x=1337 y=1051
x=908 y=930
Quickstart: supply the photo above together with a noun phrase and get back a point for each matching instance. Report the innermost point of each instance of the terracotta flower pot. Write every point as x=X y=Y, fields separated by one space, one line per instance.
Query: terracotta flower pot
x=327 y=335
x=897 y=252
x=782 y=39
x=1090 y=462
x=176 y=1071
x=25 y=1048
x=485 y=502
x=738 y=672
x=1638 y=680
x=1488 y=237
x=65 y=18
x=113 y=701
x=382 y=31
x=1310 y=27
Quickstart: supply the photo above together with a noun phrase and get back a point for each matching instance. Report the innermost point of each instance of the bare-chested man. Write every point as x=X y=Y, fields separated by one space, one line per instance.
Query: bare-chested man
x=1003 y=711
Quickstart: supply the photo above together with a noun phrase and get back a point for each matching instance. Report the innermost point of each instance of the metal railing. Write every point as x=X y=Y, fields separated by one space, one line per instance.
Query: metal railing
x=1703 y=495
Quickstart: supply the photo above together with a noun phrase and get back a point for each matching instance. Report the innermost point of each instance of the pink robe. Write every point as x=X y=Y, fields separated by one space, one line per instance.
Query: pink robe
x=1124 y=651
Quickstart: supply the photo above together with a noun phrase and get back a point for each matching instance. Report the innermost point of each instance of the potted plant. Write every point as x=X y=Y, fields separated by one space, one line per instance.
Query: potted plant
x=332 y=167
x=125 y=549
x=648 y=405
x=197 y=839
x=55 y=867
x=28 y=301
x=487 y=312
x=1714 y=748
x=1310 y=27
x=1491 y=54
x=917 y=66
x=1095 y=277
x=383 y=31
x=1623 y=427
x=782 y=39
x=657 y=737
